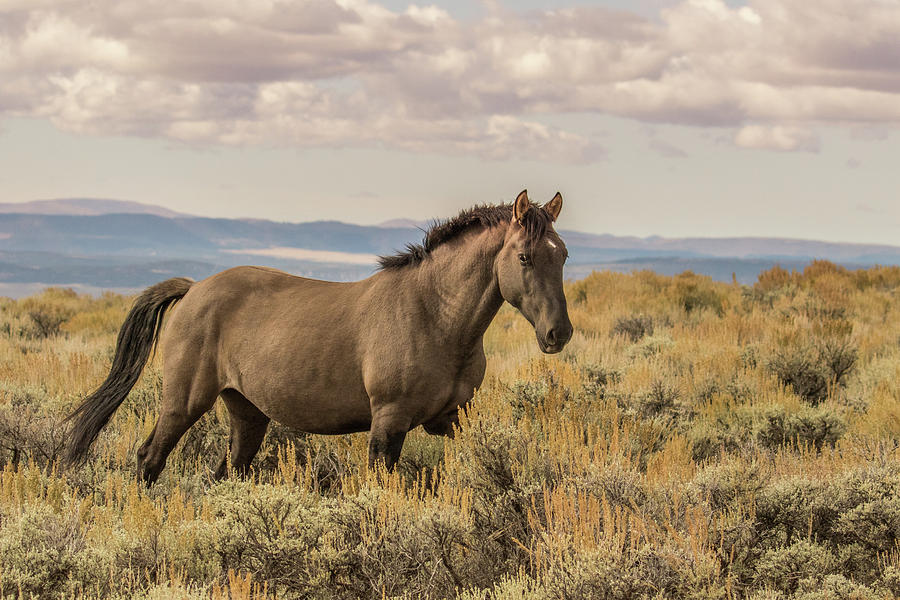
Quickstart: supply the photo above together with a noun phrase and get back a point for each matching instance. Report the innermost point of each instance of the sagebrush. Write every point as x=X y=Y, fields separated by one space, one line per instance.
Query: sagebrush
x=695 y=440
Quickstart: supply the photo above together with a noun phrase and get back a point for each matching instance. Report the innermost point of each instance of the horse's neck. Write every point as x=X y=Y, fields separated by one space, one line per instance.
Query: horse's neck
x=463 y=292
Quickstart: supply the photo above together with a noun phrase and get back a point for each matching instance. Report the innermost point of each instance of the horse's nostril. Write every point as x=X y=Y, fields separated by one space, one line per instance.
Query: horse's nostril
x=551 y=337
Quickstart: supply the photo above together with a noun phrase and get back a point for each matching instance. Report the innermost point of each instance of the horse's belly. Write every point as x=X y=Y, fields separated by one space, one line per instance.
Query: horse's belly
x=308 y=392
x=330 y=413
x=312 y=387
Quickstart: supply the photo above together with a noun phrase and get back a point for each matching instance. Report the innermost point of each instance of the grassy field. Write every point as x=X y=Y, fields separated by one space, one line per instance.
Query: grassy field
x=694 y=440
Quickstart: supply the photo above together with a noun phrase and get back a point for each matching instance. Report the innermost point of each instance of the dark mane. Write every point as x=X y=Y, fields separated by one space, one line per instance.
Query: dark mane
x=535 y=222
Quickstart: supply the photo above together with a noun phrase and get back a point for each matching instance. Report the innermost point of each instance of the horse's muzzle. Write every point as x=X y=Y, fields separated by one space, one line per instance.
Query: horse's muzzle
x=555 y=338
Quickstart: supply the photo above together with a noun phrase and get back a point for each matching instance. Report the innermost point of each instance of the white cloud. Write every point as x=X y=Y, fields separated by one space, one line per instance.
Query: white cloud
x=778 y=137
x=328 y=256
x=352 y=72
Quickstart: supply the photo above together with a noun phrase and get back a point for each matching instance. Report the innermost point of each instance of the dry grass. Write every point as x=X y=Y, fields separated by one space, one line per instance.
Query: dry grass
x=694 y=440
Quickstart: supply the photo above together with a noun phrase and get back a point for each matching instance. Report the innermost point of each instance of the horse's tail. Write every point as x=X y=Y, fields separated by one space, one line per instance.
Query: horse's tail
x=137 y=339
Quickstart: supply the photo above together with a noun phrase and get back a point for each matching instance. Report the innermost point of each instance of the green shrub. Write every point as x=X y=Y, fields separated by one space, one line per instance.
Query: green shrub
x=814 y=368
x=596 y=379
x=694 y=292
x=620 y=485
x=802 y=371
x=650 y=346
x=816 y=427
x=520 y=587
x=308 y=546
x=274 y=532
x=793 y=509
x=728 y=484
x=783 y=568
x=835 y=587
x=45 y=555
x=634 y=327
x=661 y=398
x=503 y=494
x=28 y=430
x=673 y=469
x=644 y=572
x=526 y=395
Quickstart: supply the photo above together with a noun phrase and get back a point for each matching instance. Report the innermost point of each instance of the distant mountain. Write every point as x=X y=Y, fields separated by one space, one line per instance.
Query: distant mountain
x=85 y=207
x=133 y=246
x=151 y=235
x=739 y=247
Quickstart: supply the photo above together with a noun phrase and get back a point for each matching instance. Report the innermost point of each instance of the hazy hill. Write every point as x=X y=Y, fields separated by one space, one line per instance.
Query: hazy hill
x=84 y=206
x=146 y=234
x=110 y=243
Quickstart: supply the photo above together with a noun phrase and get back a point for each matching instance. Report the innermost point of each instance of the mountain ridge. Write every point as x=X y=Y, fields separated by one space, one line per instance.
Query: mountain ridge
x=713 y=245
x=135 y=249
x=86 y=207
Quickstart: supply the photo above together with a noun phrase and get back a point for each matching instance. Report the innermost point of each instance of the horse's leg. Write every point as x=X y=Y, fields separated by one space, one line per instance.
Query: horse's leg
x=248 y=428
x=184 y=401
x=389 y=428
x=443 y=425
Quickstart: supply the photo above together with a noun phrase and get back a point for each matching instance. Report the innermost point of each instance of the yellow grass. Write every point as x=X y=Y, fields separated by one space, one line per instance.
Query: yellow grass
x=680 y=462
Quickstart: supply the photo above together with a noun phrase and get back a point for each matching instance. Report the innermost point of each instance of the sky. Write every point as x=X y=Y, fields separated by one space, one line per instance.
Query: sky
x=656 y=117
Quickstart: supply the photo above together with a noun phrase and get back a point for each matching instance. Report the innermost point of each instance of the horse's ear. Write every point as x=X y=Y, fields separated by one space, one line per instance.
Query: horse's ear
x=554 y=206
x=522 y=205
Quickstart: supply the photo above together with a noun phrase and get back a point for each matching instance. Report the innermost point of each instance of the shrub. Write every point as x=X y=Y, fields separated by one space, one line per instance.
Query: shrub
x=839 y=355
x=773 y=279
x=393 y=551
x=526 y=395
x=816 y=427
x=370 y=545
x=645 y=571
x=650 y=346
x=802 y=372
x=520 y=587
x=696 y=292
x=620 y=484
x=503 y=494
x=661 y=398
x=684 y=473
x=579 y=293
x=710 y=439
x=634 y=327
x=596 y=379
x=783 y=568
x=48 y=313
x=47 y=556
x=28 y=431
x=47 y=323
x=272 y=531
x=835 y=587
x=813 y=369
x=728 y=484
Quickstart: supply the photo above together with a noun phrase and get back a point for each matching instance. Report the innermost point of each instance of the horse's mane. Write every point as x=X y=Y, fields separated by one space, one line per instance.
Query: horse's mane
x=535 y=222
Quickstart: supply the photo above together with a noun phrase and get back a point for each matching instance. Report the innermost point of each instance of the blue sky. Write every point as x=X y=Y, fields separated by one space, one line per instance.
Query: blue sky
x=694 y=118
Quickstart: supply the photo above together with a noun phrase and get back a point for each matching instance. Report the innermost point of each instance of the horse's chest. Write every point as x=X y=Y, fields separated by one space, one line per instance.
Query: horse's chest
x=454 y=386
x=431 y=386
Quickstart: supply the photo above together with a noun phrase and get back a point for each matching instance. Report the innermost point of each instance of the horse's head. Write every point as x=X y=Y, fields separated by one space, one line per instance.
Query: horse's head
x=529 y=270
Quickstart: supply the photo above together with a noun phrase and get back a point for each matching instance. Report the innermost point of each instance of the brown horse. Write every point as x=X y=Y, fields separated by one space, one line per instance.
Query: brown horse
x=400 y=349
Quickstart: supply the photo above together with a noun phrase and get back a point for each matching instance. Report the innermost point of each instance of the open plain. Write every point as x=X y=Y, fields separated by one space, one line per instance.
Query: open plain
x=695 y=439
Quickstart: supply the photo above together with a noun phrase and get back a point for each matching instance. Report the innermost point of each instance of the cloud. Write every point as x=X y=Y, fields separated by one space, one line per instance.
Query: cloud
x=352 y=72
x=666 y=149
x=776 y=138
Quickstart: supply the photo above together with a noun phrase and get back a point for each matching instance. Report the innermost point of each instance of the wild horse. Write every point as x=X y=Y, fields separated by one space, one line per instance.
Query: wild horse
x=400 y=349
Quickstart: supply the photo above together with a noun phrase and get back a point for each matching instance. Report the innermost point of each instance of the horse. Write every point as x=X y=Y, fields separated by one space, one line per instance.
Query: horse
x=399 y=349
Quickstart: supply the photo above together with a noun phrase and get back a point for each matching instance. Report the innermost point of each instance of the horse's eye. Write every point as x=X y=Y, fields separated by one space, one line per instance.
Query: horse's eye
x=523 y=260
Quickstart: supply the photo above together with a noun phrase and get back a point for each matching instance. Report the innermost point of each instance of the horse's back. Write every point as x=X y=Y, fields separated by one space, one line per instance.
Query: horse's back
x=249 y=301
